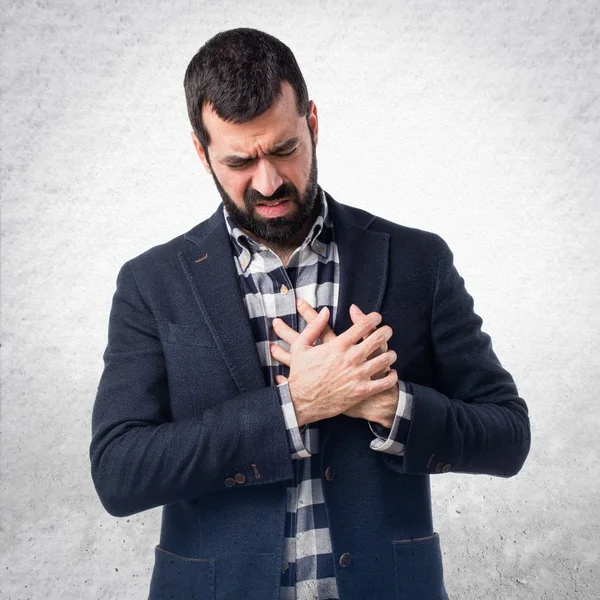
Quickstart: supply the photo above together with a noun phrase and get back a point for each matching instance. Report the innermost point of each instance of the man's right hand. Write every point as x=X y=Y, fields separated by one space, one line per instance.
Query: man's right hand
x=327 y=379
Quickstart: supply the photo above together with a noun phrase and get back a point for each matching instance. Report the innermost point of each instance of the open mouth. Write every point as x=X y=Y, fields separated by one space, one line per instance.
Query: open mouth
x=277 y=208
x=272 y=202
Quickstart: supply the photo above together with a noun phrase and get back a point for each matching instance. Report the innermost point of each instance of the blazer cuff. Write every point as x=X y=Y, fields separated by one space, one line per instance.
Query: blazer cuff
x=298 y=439
x=393 y=441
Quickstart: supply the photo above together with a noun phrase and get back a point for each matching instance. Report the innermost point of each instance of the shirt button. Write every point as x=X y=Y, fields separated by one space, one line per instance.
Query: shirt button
x=240 y=478
x=229 y=482
x=284 y=290
x=345 y=559
x=329 y=473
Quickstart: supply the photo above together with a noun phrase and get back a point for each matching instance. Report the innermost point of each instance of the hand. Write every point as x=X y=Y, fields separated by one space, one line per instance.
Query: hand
x=379 y=406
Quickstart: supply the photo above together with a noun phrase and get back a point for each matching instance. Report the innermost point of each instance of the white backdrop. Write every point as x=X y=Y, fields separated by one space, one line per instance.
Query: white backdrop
x=478 y=120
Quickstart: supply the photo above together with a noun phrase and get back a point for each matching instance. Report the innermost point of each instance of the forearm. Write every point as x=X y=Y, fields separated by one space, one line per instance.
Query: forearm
x=489 y=436
x=469 y=418
x=139 y=464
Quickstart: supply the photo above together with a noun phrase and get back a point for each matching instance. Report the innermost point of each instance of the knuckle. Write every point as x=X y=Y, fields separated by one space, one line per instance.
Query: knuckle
x=347 y=360
x=382 y=337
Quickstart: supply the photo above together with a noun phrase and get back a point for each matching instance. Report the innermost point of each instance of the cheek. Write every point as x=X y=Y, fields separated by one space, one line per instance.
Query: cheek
x=234 y=183
x=296 y=172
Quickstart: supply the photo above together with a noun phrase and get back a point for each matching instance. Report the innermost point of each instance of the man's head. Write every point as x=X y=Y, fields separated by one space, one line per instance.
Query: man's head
x=255 y=131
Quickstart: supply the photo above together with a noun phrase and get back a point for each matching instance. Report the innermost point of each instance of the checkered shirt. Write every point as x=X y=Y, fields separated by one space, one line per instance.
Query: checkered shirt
x=270 y=290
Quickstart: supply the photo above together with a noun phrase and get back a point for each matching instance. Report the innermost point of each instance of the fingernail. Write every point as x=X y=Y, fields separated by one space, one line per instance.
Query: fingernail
x=299 y=301
x=275 y=322
x=322 y=310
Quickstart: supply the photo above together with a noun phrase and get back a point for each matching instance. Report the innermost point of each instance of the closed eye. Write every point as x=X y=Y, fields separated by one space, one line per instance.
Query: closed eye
x=241 y=165
x=287 y=153
x=244 y=164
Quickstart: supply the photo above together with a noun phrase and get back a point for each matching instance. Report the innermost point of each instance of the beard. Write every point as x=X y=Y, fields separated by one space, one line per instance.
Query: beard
x=278 y=229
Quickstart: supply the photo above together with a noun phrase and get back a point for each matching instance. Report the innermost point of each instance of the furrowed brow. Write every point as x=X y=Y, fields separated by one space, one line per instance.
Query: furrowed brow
x=234 y=160
x=285 y=146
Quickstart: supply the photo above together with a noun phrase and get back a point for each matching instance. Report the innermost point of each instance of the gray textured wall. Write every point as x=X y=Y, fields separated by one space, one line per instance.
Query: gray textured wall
x=475 y=119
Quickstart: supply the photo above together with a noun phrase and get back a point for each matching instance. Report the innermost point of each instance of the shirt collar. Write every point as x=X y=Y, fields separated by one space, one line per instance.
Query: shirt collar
x=245 y=247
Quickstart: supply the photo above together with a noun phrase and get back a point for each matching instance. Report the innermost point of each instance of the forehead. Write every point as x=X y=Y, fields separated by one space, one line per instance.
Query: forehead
x=278 y=123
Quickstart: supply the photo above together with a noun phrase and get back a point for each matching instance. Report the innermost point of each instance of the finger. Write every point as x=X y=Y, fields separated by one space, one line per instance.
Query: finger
x=308 y=313
x=381 y=373
x=359 y=330
x=284 y=331
x=356 y=315
x=380 y=350
x=355 y=310
x=371 y=344
x=278 y=353
x=375 y=386
x=311 y=333
x=379 y=337
x=380 y=363
x=280 y=379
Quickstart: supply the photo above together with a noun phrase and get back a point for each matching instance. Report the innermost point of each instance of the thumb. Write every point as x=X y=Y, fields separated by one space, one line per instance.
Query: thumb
x=280 y=379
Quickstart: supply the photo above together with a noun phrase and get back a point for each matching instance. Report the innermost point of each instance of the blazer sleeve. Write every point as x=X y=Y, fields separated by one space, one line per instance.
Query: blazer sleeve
x=472 y=419
x=141 y=459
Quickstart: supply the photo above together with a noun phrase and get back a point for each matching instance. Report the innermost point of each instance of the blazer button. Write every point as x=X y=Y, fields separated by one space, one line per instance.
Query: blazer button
x=329 y=473
x=240 y=478
x=446 y=468
x=230 y=482
x=345 y=559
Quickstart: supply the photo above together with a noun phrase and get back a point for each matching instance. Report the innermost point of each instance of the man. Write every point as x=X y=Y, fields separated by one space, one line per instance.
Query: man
x=248 y=386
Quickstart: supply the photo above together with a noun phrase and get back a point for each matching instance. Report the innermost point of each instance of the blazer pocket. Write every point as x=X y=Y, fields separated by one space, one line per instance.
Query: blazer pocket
x=189 y=335
x=419 y=571
x=178 y=578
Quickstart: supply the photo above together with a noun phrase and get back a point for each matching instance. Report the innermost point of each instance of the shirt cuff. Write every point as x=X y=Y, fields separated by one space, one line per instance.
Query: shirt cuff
x=295 y=438
x=392 y=441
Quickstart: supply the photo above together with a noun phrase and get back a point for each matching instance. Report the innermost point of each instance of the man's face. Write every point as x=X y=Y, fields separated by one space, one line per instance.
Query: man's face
x=265 y=169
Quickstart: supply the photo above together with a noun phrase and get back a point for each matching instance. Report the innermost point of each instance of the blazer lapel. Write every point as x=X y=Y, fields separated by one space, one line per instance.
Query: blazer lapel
x=209 y=266
x=363 y=262
x=364 y=257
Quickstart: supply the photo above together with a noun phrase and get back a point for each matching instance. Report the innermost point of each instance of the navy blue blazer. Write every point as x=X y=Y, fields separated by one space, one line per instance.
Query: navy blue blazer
x=182 y=406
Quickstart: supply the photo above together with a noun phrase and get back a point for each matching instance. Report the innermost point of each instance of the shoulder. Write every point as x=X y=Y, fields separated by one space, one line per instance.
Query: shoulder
x=402 y=237
x=166 y=253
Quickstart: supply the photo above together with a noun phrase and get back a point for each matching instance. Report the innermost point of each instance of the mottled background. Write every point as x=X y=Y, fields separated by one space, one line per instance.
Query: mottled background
x=478 y=120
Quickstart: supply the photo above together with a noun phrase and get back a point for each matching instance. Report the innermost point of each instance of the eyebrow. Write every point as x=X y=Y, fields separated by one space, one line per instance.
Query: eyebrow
x=285 y=146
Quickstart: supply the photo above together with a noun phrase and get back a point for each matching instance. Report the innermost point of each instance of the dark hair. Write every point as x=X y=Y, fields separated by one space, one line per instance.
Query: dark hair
x=239 y=72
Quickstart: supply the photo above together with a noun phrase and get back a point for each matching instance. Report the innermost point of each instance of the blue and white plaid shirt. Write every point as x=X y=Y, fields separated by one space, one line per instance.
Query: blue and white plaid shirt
x=270 y=290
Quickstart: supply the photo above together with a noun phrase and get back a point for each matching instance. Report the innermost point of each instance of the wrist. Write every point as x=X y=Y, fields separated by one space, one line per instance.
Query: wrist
x=386 y=419
x=302 y=416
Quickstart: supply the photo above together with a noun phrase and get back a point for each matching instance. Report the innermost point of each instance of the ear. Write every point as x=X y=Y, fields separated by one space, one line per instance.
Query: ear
x=201 y=153
x=313 y=120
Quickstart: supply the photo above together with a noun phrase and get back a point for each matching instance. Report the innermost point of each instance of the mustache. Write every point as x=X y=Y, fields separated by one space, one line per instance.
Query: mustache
x=285 y=190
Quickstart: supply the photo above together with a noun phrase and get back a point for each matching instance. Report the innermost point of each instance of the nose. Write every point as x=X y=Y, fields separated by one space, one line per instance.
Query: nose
x=266 y=178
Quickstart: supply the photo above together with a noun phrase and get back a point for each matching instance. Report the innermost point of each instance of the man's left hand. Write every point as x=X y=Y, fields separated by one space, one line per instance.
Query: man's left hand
x=379 y=408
